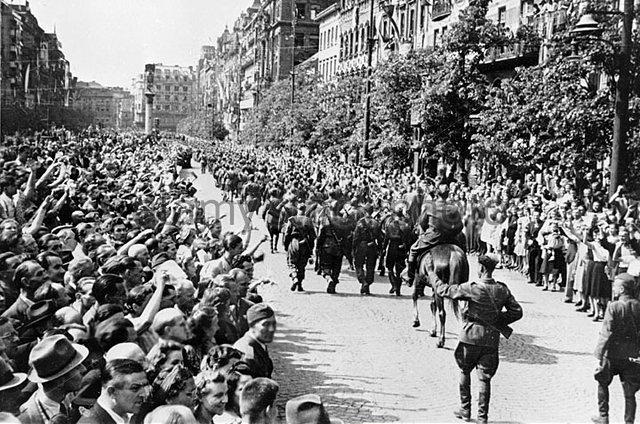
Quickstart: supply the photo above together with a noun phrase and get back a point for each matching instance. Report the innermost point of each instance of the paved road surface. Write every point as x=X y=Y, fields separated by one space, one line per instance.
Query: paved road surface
x=369 y=365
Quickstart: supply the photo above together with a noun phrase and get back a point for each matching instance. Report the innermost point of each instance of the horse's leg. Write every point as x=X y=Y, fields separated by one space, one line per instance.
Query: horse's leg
x=434 y=313
x=416 y=317
x=443 y=317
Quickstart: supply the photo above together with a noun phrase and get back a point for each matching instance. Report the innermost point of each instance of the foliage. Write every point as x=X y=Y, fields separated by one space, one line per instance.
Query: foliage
x=548 y=114
x=16 y=118
x=200 y=123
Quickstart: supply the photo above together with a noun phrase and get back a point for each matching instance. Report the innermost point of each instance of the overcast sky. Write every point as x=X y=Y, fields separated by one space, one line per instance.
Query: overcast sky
x=109 y=41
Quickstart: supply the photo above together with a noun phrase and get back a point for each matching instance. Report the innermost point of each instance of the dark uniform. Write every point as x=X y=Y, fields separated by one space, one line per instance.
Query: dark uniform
x=441 y=223
x=397 y=240
x=619 y=340
x=251 y=194
x=366 y=239
x=483 y=322
x=271 y=215
x=331 y=245
x=298 y=240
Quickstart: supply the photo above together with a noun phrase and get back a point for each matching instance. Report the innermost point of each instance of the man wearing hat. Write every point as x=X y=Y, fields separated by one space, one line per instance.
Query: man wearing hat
x=483 y=322
x=366 y=239
x=618 y=342
x=262 y=328
x=307 y=409
x=57 y=368
x=9 y=384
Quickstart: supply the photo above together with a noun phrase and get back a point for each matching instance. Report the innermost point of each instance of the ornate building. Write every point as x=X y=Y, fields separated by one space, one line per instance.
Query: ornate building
x=35 y=73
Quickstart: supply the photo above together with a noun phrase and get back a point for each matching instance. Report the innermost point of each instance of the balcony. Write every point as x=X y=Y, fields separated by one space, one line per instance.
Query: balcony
x=549 y=23
x=510 y=56
x=441 y=9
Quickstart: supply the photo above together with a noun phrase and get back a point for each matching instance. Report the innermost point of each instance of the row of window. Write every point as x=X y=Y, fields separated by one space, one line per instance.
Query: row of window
x=184 y=88
x=329 y=38
x=328 y=68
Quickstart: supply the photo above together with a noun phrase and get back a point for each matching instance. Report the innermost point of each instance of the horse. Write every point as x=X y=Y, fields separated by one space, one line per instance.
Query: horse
x=451 y=266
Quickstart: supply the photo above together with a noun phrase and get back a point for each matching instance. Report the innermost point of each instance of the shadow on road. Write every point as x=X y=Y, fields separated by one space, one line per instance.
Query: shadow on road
x=520 y=348
x=298 y=376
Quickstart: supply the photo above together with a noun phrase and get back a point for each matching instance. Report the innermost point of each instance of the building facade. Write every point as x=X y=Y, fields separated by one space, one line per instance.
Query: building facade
x=35 y=72
x=329 y=47
x=109 y=107
x=174 y=96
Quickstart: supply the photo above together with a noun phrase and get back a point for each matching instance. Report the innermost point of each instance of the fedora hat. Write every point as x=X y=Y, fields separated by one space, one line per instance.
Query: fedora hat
x=53 y=357
x=39 y=312
x=308 y=409
x=9 y=379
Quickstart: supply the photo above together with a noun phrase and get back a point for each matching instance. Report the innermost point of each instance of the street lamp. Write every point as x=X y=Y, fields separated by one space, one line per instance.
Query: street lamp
x=588 y=26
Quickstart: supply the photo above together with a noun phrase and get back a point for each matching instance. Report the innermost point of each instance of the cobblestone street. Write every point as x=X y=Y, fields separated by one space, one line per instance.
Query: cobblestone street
x=369 y=365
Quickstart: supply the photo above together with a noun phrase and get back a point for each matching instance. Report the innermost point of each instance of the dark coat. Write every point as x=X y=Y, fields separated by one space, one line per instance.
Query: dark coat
x=254 y=355
x=619 y=337
x=97 y=415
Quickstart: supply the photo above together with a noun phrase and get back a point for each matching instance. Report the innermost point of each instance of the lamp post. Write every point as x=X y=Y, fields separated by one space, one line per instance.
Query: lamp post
x=588 y=26
x=367 y=107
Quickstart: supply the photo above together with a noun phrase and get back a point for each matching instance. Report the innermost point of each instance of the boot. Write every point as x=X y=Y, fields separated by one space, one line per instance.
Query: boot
x=295 y=283
x=464 y=413
x=331 y=288
x=300 y=289
x=484 y=396
x=392 y=280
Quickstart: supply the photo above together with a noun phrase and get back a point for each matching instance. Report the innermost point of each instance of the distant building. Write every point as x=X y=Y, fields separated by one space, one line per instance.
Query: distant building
x=110 y=107
x=329 y=48
x=34 y=69
x=175 y=96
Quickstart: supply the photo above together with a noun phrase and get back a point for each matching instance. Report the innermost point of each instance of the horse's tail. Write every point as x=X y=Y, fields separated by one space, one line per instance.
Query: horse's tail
x=451 y=265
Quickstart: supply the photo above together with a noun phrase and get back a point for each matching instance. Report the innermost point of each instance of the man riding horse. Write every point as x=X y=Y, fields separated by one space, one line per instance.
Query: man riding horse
x=440 y=223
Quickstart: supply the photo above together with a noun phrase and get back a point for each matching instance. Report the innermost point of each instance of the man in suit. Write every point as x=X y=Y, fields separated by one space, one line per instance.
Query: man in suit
x=57 y=368
x=124 y=389
x=262 y=328
x=618 y=342
x=29 y=275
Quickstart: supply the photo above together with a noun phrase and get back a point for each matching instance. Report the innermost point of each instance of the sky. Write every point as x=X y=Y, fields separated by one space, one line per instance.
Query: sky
x=109 y=41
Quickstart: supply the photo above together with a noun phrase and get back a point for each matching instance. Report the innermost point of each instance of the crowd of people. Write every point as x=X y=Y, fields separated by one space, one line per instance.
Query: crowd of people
x=120 y=301
x=558 y=228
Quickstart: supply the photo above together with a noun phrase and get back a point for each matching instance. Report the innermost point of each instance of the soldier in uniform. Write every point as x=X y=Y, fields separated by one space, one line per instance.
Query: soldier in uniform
x=331 y=245
x=366 y=238
x=398 y=237
x=440 y=223
x=287 y=210
x=298 y=240
x=483 y=322
x=619 y=342
x=251 y=194
x=271 y=215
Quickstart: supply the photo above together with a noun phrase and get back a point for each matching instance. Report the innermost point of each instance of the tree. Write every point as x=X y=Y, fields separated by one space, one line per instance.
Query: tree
x=201 y=124
x=456 y=88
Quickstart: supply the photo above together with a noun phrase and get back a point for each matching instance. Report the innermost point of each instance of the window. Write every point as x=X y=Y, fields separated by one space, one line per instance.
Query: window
x=176 y=88
x=299 y=42
x=401 y=24
x=502 y=14
x=167 y=88
x=167 y=98
x=301 y=11
x=435 y=37
x=185 y=88
x=412 y=19
x=423 y=13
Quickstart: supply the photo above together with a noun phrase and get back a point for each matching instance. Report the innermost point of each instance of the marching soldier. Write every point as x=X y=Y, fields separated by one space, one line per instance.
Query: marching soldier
x=366 y=239
x=398 y=237
x=331 y=245
x=298 y=241
x=271 y=215
x=490 y=309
